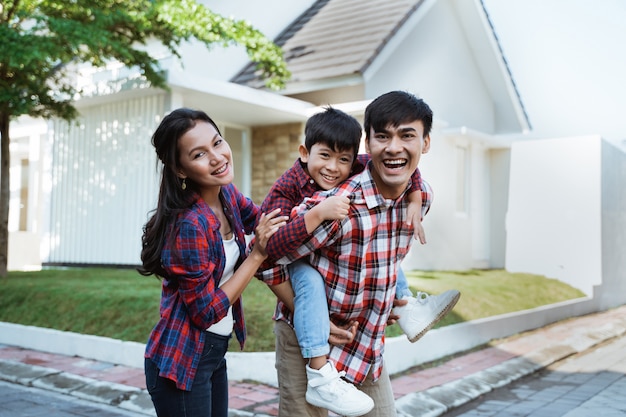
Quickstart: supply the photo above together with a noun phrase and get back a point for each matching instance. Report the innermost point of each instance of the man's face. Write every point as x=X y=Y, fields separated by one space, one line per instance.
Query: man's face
x=395 y=153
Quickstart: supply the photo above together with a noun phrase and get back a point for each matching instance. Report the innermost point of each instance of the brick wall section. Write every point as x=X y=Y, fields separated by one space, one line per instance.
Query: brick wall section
x=274 y=150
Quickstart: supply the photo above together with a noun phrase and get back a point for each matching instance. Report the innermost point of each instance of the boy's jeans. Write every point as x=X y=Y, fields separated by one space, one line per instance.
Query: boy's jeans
x=402 y=285
x=310 y=318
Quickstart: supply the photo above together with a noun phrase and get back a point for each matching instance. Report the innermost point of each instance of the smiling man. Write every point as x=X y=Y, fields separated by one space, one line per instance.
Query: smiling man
x=359 y=256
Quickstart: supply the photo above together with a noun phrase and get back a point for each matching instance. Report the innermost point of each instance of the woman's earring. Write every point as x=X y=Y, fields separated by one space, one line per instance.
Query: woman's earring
x=184 y=185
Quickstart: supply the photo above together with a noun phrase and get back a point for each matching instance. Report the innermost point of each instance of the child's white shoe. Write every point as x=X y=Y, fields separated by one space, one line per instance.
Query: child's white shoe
x=326 y=389
x=421 y=313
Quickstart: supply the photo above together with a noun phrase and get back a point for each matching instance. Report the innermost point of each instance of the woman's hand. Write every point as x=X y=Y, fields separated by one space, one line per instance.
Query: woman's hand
x=268 y=225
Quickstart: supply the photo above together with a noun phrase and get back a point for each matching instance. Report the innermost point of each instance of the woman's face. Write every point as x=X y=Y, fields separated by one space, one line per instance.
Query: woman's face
x=205 y=157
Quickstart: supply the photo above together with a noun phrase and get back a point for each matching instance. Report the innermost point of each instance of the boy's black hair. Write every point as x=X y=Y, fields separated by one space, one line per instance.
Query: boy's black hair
x=335 y=129
x=396 y=108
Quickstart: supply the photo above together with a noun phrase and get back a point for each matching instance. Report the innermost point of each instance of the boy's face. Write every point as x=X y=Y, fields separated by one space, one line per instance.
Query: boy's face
x=327 y=167
x=395 y=153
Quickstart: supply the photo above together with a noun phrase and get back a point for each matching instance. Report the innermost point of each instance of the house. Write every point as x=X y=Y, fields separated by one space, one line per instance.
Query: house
x=95 y=182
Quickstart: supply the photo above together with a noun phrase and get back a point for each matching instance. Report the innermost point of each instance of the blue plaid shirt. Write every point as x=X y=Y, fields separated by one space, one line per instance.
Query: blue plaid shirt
x=191 y=301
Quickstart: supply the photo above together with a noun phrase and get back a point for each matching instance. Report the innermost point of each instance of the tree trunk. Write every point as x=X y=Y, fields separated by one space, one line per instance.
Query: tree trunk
x=5 y=192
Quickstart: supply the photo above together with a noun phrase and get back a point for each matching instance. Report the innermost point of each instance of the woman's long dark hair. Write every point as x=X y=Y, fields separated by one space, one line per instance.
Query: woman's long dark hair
x=172 y=197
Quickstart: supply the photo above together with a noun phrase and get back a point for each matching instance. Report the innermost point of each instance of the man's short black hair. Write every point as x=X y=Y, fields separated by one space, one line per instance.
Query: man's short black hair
x=395 y=108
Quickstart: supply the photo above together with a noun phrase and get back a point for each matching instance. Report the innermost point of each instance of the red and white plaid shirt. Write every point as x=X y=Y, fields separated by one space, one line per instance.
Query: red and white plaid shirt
x=359 y=257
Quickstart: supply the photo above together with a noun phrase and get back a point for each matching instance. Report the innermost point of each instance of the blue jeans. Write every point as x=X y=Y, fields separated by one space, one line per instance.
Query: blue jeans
x=402 y=285
x=209 y=392
x=311 y=305
x=310 y=318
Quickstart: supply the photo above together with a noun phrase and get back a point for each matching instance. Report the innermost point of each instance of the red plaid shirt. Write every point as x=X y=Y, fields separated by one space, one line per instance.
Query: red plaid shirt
x=193 y=258
x=359 y=257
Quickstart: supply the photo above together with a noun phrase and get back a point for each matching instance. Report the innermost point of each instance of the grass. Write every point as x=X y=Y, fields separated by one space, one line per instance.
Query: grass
x=121 y=304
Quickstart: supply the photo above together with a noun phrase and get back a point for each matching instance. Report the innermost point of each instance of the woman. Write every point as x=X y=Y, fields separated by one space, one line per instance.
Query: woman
x=195 y=241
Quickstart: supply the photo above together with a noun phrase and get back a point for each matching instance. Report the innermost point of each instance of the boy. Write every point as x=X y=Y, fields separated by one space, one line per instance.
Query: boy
x=327 y=158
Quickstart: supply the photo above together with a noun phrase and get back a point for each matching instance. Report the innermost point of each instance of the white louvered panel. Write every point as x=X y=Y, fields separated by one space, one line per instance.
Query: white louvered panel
x=104 y=183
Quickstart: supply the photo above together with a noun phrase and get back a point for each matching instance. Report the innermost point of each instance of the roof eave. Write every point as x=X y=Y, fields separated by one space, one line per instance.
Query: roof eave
x=301 y=87
x=496 y=54
x=236 y=103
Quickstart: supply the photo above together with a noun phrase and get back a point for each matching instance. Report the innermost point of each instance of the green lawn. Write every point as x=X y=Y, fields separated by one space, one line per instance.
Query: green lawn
x=122 y=304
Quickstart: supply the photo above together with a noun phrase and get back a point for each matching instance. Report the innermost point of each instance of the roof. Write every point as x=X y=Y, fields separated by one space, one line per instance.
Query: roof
x=340 y=39
x=335 y=38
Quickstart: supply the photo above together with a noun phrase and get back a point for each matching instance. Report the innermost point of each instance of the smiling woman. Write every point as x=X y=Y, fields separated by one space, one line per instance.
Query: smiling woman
x=196 y=242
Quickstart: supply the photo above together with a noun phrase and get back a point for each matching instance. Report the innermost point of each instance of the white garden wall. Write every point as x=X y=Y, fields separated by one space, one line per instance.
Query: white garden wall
x=567 y=214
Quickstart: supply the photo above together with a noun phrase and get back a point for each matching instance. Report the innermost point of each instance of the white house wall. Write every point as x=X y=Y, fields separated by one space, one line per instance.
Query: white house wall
x=104 y=183
x=456 y=239
x=435 y=62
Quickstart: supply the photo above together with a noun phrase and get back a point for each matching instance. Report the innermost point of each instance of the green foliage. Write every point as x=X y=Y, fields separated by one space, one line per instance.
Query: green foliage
x=125 y=305
x=42 y=40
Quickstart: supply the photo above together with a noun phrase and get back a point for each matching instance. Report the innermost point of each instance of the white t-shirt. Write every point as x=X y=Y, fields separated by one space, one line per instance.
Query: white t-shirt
x=224 y=327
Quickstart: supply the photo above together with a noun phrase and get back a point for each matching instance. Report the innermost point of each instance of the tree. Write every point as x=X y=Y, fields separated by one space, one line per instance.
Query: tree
x=41 y=41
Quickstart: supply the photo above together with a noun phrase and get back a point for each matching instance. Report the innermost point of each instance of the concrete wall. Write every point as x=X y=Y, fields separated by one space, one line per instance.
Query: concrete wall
x=613 y=290
x=567 y=214
x=274 y=150
x=400 y=354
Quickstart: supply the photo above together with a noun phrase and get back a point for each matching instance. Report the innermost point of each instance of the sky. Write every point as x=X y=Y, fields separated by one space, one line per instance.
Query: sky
x=568 y=59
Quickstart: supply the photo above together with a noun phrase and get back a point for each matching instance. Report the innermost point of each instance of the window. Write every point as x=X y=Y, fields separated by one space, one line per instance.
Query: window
x=238 y=140
x=20 y=180
x=23 y=212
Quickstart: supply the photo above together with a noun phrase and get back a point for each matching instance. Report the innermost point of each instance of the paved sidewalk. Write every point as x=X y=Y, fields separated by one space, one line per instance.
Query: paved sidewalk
x=423 y=391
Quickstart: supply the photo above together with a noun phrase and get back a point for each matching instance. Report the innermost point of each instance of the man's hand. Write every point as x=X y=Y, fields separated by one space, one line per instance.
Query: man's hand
x=341 y=335
x=393 y=318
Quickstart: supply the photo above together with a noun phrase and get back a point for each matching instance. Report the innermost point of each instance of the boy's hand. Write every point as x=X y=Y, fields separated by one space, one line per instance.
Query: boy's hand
x=414 y=216
x=335 y=207
x=418 y=232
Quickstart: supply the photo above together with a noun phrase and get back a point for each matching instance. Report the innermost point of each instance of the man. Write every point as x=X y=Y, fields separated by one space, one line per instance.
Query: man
x=359 y=256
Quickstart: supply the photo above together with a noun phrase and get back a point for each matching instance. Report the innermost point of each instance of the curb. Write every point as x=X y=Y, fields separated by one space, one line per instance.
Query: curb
x=117 y=395
x=438 y=400
x=123 y=396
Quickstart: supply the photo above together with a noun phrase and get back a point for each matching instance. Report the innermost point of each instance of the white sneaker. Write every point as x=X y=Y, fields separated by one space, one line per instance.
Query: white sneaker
x=326 y=389
x=421 y=313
